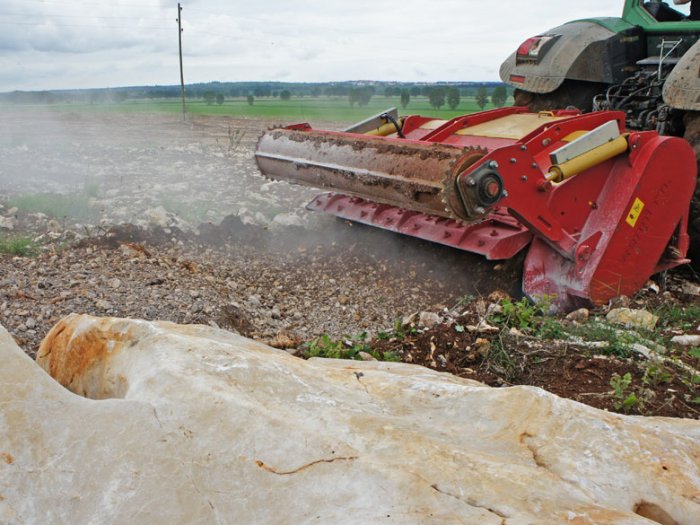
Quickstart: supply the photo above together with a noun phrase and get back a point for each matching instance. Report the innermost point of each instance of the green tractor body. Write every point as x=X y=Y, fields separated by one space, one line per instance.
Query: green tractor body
x=585 y=57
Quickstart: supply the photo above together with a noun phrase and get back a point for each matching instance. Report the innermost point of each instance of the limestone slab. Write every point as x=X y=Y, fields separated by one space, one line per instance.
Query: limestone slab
x=166 y=423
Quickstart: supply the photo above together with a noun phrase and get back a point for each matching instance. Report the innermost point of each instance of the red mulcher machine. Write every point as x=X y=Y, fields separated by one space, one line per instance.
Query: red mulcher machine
x=599 y=209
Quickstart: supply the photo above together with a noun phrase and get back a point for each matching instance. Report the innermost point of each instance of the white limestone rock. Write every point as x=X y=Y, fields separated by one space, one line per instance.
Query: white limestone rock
x=428 y=319
x=190 y=424
x=159 y=216
x=632 y=318
x=285 y=220
x=686 y=339
x=8 y=223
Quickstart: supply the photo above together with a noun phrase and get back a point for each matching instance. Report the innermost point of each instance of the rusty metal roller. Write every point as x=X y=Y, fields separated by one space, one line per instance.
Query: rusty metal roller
x=405 y=174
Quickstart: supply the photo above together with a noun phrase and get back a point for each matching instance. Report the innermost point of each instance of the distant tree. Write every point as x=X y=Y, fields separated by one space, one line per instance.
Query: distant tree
x=482 y=97
x=415 y=91
x=392 y=91
x=425 y=90
x=453 y=97
x=360 y=96
x=499 y=95
x=285 y=95
x=316 y=91
x=209 y=97
x=405 y=98
x=250 y=99
x=436 y=97
x=366 y=95
x=235 y=92
x=275 y=94
x=219 y=99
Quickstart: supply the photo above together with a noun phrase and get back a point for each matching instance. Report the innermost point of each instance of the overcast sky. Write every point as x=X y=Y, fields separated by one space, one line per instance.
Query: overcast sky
x=73 y=44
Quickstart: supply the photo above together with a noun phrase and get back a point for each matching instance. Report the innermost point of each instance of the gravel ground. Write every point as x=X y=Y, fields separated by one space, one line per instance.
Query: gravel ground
x=260 y=284
x=147 y=217
x=143 y=169
x=271 y=266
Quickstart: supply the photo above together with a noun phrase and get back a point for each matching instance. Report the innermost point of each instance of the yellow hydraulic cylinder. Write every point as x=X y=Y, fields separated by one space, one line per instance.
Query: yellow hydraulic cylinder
x=565 y=170
x=384 y=129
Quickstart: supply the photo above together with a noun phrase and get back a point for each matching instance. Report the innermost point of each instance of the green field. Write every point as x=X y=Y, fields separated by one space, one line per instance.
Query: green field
x=296 y=109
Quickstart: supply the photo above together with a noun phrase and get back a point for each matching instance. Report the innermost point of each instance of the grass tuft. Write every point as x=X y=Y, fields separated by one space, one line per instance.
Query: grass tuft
x=346 y=348
x=57 y=206
x=18 y=245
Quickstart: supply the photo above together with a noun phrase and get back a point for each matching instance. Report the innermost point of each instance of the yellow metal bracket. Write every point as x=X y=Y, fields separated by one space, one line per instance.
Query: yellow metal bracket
x=570 y=168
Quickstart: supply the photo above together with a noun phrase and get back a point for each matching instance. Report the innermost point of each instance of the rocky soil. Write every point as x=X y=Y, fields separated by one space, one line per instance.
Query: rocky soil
x=259 y=283
x=148 y=217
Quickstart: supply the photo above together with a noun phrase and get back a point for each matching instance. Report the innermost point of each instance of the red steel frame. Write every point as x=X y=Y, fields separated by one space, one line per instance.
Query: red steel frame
x=583 y=248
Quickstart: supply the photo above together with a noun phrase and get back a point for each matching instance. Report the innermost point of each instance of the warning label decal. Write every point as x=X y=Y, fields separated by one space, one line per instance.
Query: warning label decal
x=635 y=212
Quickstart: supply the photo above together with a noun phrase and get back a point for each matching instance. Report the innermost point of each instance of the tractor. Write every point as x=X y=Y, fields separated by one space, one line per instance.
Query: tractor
x=646 y=63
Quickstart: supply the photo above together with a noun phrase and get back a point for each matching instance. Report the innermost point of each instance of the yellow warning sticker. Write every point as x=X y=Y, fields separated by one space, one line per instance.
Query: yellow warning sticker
x=635 y=212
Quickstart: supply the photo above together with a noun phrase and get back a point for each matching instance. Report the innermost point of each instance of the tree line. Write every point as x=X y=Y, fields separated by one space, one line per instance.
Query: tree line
x=357 y=93
x=438 y=96
x=452 y=96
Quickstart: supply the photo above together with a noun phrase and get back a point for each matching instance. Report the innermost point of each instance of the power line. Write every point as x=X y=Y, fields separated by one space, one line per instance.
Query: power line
x=110 y=4
x=93 y=26
x=51 y=15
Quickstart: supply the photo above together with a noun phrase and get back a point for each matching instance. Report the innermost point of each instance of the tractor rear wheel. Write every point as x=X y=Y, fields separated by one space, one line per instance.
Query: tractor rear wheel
x=576 y=93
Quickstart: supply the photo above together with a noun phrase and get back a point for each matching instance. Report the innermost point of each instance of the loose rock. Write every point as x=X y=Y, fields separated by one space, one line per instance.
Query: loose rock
x=686 y=340
x=428 y=319
x=579 y=316
x=632 y=318
x=7 y=223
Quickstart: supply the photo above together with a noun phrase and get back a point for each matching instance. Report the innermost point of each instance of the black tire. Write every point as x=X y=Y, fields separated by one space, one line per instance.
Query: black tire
x=692 y=135
x=572 y=93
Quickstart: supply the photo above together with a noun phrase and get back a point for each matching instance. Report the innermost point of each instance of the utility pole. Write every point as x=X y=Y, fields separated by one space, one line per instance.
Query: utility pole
x=179 y=41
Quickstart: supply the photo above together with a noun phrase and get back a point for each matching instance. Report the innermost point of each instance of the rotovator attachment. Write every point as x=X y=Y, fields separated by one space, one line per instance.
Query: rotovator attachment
x=600 y=209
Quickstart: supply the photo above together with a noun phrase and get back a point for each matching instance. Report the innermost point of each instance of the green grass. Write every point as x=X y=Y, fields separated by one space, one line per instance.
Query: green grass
x=347 y=348
x=18 y=245
x=531 y=319
x=295 y=109
x=680 y=317
x=620 y=342
x=74 y=205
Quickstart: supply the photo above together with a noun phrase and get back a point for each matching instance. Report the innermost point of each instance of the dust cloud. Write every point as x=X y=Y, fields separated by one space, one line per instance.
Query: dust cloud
x=94 y=169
